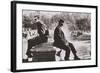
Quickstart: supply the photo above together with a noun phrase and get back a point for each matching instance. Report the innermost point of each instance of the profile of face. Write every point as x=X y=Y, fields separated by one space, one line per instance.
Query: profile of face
x=61 y=23
x=36 y=18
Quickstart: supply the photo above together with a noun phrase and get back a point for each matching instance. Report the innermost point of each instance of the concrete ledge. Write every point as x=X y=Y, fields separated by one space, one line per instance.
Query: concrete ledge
x=46 y=52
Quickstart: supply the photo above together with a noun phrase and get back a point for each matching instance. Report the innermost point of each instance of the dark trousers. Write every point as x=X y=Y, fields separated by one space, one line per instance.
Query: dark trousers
x=72 y=48
x=35 y=41
x=67 y=49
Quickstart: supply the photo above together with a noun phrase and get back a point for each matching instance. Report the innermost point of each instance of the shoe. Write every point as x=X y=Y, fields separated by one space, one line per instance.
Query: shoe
x=76 y=58
x=29 y=54
x=66 y=59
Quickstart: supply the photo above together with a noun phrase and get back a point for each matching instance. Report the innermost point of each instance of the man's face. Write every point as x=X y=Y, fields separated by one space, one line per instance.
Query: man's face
x=35 y=19
x=61 y=23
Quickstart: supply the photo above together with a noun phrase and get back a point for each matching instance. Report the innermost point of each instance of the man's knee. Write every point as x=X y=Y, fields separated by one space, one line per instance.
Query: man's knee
x=67 y=49
x=70 y=44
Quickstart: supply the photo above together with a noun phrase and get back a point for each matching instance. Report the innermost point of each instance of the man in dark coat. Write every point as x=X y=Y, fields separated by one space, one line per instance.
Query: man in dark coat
x=61 y=42
x=42 y=35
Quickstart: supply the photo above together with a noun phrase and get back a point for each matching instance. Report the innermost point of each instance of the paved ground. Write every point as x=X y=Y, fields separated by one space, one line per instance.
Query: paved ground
x=83 y=49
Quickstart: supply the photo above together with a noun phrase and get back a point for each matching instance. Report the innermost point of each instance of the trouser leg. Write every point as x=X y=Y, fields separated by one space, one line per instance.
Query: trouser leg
x=43 y=39
x=31 y=43
x=72 y=49
x=67 y=52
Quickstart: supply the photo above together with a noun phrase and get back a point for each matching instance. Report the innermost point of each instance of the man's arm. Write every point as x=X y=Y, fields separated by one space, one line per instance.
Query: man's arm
x=60 y=36
x=41 y=29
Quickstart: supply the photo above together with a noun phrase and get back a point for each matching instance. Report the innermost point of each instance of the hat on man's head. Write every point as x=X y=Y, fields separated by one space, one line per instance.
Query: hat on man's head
x=37 y=16
x=61 y=20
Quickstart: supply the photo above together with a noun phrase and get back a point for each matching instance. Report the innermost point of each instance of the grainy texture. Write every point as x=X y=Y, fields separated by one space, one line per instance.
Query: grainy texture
x=76 y=30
